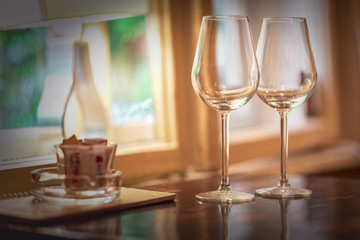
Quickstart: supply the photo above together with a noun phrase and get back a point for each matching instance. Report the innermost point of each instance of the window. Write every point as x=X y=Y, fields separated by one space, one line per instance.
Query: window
x=129 y=68
x=132 y=68
x=255 y=130
x=162 y=127
x=22 y=79
x=315 y=123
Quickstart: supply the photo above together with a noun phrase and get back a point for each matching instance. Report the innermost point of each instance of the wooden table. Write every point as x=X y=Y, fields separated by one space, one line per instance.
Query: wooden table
x=332 y=212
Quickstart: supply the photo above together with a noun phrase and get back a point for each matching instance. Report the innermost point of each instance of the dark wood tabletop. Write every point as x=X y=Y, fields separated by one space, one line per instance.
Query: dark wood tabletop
x=332 y=212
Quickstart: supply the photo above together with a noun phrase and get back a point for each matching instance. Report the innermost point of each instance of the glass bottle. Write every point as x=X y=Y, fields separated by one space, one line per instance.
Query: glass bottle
x=84 y=113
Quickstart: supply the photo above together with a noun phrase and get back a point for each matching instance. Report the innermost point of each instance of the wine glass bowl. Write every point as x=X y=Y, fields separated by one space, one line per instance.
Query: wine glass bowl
x=287 y=79
x=225 y=76
x=229 y=100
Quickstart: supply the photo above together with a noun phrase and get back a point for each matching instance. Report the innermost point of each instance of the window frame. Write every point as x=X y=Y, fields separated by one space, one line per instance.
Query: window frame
x=190 y=139
x=191 y=136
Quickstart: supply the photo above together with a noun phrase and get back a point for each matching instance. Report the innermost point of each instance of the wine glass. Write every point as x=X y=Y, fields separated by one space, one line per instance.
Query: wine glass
x=287 y=78
x=225 y=76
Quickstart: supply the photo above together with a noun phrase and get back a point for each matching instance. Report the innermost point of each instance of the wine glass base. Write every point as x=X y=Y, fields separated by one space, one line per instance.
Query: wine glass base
x=225 y=197
x=283 y=192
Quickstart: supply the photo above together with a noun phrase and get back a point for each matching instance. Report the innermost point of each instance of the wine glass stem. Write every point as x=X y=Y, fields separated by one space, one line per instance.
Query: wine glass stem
x=225 y=183
x=283 y=182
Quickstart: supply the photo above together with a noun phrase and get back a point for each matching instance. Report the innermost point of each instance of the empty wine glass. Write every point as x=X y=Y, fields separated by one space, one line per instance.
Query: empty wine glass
x=225 y=76
x=288 y=77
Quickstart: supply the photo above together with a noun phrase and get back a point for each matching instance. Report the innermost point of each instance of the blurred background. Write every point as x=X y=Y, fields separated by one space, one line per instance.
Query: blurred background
x=141 y=55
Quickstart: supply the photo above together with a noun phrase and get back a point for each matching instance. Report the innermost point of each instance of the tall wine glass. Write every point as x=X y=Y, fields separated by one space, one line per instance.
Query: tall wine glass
x=225 y=76
x=287 y=78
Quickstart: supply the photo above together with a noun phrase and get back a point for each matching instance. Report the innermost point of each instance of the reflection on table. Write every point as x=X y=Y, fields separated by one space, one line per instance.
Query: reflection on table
x=332 y=212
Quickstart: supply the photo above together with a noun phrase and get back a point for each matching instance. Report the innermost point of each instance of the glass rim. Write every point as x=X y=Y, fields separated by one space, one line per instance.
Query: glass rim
x=280 y=19
x=215 y=17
